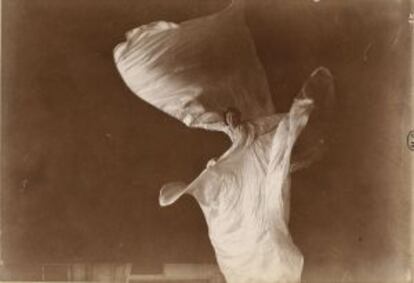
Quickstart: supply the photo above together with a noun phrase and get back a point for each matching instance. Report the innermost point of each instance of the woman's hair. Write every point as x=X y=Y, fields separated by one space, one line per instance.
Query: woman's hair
x=231 y=110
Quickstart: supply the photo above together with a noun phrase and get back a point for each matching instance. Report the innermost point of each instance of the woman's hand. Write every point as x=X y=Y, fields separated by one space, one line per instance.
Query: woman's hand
x=211 y=162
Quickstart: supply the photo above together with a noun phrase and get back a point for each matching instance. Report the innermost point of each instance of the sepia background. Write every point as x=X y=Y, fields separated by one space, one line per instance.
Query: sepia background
x=84 y=159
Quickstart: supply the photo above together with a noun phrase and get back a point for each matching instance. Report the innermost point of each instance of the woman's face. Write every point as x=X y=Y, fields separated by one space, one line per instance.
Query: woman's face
x=233 y=119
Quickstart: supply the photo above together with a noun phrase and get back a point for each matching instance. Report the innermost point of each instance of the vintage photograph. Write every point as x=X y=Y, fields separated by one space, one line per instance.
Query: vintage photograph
x=207 y=141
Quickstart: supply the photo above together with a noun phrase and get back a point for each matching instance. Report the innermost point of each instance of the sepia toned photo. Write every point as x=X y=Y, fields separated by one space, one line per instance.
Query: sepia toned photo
x=207 y=141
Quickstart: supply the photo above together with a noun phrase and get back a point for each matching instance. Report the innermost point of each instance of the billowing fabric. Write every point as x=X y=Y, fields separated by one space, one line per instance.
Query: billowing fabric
x=195 y=70
x=244 y=196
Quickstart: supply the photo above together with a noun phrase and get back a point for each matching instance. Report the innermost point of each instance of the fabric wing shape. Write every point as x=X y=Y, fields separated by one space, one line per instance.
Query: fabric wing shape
x=195 y=70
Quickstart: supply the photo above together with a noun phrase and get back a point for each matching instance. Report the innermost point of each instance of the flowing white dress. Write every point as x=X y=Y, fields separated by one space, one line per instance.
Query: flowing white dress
x=244 y=196
x=193 y=72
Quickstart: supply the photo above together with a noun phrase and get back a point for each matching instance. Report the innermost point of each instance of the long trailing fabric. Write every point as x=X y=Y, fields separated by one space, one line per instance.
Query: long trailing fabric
x=195 y=70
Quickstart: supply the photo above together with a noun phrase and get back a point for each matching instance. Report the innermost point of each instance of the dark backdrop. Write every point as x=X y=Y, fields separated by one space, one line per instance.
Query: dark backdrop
x=84 y=159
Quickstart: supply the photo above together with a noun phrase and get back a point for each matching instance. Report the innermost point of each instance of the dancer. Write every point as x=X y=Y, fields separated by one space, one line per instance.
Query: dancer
x=192 y=72
x=244 y=194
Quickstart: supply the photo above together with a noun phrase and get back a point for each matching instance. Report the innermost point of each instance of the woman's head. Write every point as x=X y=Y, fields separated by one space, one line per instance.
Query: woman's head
x=232 y=117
